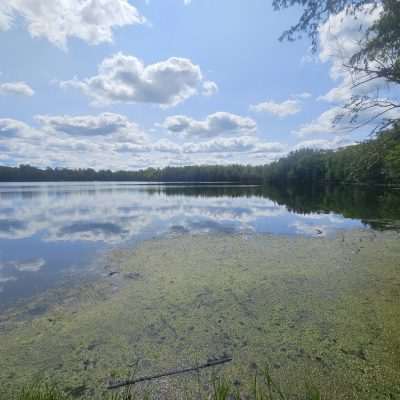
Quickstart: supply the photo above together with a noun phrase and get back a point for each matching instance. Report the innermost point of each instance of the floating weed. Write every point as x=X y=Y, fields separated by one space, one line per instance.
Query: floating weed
x=268 y=298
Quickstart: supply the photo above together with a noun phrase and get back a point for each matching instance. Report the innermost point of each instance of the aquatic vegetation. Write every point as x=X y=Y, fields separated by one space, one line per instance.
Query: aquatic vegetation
x=323 y=310
x=40 y=391
x=264 y=388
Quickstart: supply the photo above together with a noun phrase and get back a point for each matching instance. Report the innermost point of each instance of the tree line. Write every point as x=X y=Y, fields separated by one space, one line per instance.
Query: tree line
x=374 y=161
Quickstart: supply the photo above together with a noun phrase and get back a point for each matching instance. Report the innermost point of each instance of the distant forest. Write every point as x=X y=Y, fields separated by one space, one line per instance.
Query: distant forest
x=374 y=161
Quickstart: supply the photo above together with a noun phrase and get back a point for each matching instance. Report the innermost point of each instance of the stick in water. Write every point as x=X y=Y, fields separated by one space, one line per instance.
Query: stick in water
x=210 y=363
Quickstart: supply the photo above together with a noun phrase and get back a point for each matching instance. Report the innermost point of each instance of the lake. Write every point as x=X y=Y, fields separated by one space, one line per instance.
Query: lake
x=95 y=277
x=50 y=230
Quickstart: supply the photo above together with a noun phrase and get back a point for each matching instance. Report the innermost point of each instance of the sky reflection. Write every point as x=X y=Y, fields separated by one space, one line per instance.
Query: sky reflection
x=48 y=230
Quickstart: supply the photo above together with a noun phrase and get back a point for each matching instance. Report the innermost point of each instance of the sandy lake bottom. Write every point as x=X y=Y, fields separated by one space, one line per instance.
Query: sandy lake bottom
x=322 y=310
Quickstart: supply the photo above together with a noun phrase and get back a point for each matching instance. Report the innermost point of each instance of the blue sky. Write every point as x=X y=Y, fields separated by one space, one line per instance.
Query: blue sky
x=118 y=84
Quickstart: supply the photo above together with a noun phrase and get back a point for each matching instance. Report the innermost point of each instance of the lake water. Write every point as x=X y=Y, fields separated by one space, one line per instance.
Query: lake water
x=52 y=230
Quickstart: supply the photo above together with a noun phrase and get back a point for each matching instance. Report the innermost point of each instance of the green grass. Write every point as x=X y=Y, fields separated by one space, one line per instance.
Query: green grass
x=41 y=391
x=264 y=388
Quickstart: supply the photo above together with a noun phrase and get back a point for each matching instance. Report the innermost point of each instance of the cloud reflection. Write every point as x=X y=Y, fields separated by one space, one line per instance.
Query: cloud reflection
x=114 y=213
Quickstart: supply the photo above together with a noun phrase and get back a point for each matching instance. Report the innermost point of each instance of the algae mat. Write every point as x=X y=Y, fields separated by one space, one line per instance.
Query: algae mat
x=323 y=310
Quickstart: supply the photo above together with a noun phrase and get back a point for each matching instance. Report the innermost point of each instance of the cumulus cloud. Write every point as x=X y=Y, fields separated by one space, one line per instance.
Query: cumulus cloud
x=105 y=124
x=340 y=38
x=217 y=124
x=286 y=108
x=246 y=144
x=166 y=146
x=209 y=88
x=291 y=106
x=337 y=120
x=5 y=17
x=325 y=123
x=113 y=141
x=12 y=128
x=161 y=146
x=324 y=144
x=19 y=88
x=125 y=78
x=58 y=20
x=242 y=144
x=71 y=141
x=283 y=109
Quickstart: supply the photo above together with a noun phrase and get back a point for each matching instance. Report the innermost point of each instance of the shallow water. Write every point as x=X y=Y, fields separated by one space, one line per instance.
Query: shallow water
x=52 y=232
x=323 y=310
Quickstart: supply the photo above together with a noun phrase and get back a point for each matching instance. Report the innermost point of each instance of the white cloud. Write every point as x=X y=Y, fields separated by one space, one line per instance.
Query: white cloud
x=112 y=141
x=217 y=124
x=19 y=88
x=12 y=128
x=125 y=78
x=161 y=146
x=105 y=124
x=246 y=144
x=337 y=120
x=340 y=38
x=283 y=109
x=240 y=144
x=131 y=148
x=59 y=20
x=5 y=17
x=166 y=146
x=325 y=123
x=209 y=88
x=324 y=144
x=78 y=141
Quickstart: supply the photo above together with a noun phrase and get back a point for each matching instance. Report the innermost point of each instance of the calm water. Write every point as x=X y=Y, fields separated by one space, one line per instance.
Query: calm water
x=52 y=230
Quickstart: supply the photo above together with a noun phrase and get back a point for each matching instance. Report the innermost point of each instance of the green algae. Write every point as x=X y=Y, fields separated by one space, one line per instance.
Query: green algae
x=324 y=310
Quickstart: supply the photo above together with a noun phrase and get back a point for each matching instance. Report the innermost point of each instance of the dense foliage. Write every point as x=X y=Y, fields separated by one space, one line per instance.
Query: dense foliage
x=382 y=45
x=376 y=161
